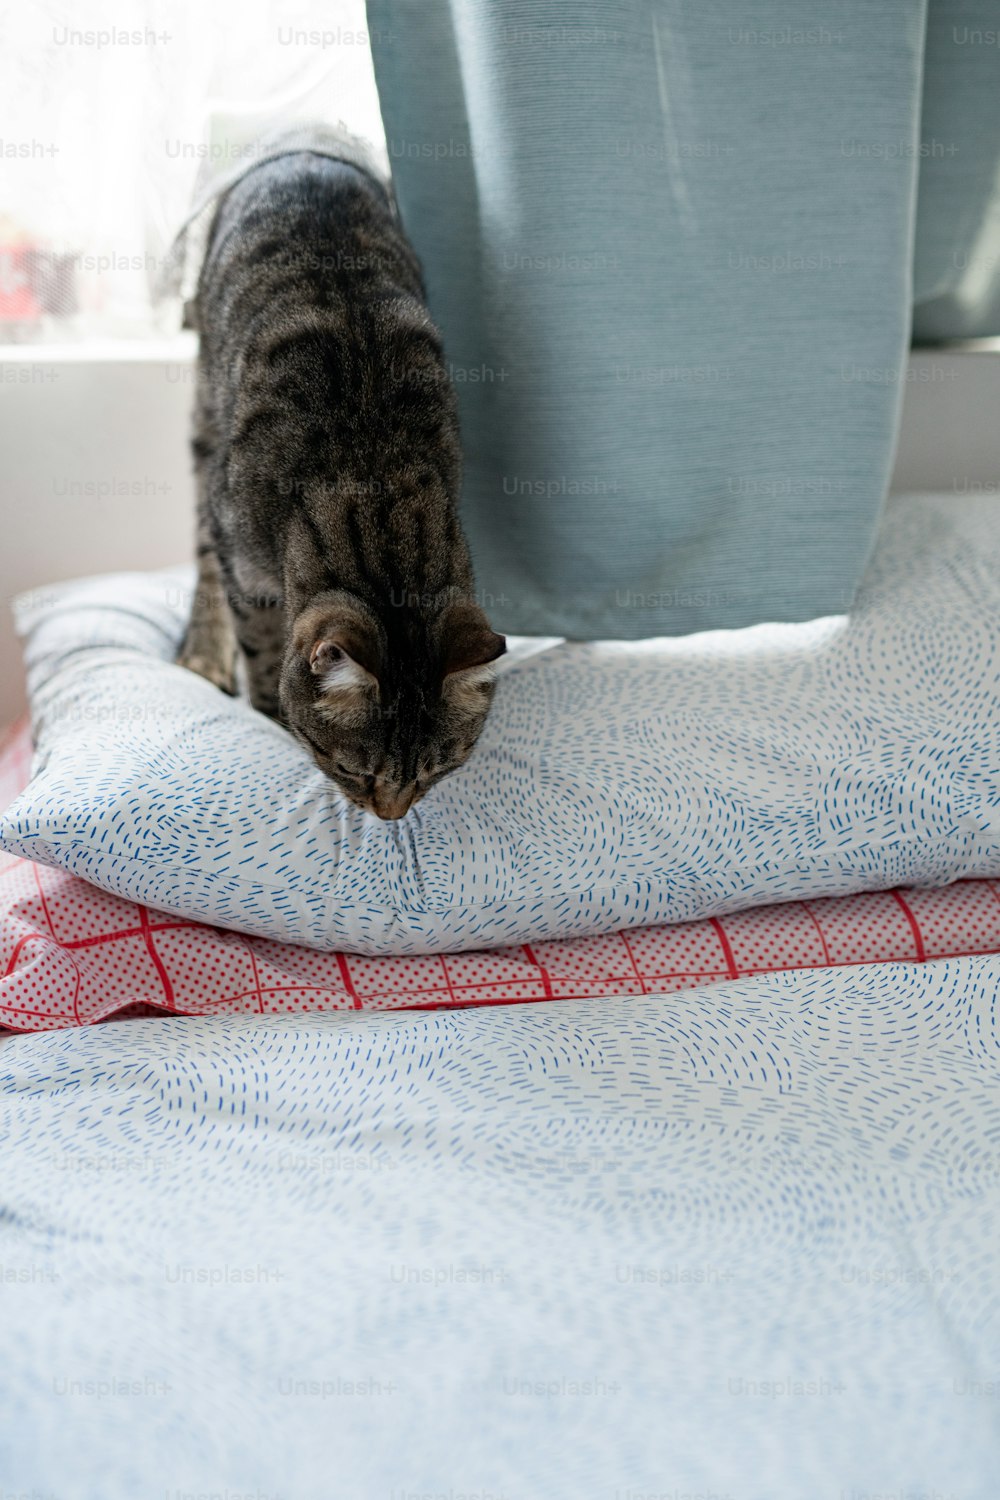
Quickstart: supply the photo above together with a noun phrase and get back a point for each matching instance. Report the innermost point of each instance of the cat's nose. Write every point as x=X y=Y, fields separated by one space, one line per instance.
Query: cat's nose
x=390 y=803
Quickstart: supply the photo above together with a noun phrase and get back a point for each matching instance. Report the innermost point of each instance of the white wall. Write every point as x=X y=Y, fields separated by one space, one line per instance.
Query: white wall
x=76 y=425
x=950 y=432
x=72 y=428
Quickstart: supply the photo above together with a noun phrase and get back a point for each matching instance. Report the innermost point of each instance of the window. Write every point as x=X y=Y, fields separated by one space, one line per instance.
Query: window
x=118 y=113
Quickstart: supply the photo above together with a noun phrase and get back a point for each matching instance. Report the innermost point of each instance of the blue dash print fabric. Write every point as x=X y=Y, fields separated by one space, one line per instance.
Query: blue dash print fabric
x=738 y=1242
x=616 y=783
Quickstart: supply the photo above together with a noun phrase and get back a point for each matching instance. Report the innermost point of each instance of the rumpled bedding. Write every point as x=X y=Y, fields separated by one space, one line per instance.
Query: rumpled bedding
x=71 y=953
x=615 y=785
x=734 y=1241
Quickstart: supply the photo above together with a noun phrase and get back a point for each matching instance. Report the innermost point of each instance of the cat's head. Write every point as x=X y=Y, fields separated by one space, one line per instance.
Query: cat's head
x=388 y=705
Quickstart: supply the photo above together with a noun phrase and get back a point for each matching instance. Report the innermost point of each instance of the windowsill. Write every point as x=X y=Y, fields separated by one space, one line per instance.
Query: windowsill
x=184 y=345
x=166 y=349
x=958 y=346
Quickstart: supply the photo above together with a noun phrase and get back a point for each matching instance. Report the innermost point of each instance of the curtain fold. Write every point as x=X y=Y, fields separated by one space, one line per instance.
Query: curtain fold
x=669 y=249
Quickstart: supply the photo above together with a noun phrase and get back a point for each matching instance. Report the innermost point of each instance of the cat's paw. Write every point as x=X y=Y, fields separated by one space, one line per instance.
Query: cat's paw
x=223 y=676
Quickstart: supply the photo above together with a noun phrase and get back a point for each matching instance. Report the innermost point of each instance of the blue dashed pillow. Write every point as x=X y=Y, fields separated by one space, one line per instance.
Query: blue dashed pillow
x=614 y=785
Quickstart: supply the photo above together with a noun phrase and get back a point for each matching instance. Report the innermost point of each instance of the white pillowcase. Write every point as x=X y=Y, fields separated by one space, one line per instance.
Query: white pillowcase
x=614 y=784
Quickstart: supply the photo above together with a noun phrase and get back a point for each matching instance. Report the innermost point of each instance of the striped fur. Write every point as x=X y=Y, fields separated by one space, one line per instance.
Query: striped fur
x=327 y=454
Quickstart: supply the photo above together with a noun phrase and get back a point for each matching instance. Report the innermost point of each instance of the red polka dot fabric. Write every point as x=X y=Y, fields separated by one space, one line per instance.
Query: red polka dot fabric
x=71 y=954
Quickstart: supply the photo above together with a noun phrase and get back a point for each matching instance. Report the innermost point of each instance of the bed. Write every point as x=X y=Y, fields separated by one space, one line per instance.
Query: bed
x=739 y=1240
x=702 y=1208
x=731 y=1237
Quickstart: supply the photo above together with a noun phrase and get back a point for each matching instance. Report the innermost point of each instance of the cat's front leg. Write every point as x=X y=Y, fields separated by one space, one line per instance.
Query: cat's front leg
x=209 y=644
x=260 y=631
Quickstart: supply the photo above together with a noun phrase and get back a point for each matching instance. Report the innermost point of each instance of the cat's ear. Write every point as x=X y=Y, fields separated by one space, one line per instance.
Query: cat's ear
x=332 y=660
x=340 y=641
x=468 y=647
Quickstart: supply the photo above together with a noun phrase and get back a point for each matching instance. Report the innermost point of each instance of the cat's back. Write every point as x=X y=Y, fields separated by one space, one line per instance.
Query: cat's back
x=302 y=225
x=322 y=383
x=316 y=194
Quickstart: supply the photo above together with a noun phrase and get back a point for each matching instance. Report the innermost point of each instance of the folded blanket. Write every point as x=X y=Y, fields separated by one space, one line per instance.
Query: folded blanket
x=616 y=785
x=71 y=953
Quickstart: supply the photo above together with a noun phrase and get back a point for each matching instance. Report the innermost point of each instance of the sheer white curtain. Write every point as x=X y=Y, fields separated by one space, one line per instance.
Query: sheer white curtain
x=114 y=110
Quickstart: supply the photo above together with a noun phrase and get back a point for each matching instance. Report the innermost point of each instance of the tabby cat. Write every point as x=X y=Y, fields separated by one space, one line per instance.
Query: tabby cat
x=327 y=458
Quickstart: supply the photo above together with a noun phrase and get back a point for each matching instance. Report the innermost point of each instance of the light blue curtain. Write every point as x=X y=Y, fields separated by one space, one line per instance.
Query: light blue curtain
x=956 y=290
x=669 y=245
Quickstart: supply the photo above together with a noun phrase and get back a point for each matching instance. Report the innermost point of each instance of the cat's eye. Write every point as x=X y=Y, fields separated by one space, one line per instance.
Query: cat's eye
x=338 y=766
x=343 y=770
